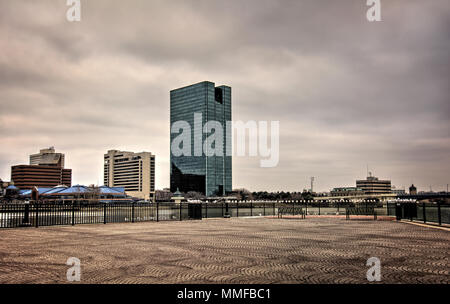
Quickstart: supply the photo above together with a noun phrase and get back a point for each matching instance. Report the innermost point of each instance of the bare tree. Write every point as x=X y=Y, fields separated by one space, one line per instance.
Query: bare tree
x=242 y=194
x=93 y=194
x=163 y=195
x=195 y=195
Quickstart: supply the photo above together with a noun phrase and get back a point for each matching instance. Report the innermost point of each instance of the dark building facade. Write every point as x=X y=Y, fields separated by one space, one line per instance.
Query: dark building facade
x=28 y=176
x=210 y=175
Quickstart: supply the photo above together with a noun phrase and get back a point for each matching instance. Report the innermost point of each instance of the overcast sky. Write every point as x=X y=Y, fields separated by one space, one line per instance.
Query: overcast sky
x=347 y=92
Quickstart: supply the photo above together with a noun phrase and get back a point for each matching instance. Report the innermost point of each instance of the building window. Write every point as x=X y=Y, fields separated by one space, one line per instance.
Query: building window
x=218 y=95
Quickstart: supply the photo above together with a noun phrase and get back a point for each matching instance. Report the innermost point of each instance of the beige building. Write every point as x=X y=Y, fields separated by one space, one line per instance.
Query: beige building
x=47 y=157
x=373 y=185
x=133 y=171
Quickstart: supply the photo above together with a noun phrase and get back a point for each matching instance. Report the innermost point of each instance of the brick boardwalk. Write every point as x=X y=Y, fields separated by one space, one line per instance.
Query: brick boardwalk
x=256 y=250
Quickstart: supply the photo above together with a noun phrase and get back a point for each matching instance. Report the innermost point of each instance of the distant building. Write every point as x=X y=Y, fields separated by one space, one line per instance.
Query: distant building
x=29 y=176
x=372 y=185
x=412 y=190
x=46 y=169
x=47 y=157
x=209 y=175
x=135 y=172
x=398 y=191
x=346 y=191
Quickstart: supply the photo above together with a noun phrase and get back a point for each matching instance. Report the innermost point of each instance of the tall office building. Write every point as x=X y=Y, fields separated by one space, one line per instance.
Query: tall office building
x=47 y=157
x=210 y=175
x=133 y=171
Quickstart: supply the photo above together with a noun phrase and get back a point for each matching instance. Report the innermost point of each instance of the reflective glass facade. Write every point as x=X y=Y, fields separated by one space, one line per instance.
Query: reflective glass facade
x=210 y=175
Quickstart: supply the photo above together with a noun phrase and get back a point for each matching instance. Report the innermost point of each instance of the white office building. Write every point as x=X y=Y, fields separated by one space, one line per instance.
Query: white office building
x=133 y=171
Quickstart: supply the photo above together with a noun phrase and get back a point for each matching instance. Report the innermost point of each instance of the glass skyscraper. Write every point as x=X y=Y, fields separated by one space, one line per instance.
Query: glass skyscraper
x=210 y=175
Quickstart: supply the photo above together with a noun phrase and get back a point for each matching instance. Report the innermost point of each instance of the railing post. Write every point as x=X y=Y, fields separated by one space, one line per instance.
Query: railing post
x=424 y=213
x=222 y=209
x=411 y=211
x=439 y=213
x=73 y=214
x=319 y=207
x=26 y=215
x=132 y=212
x=237 y=209
x=181 y=204
x=251 y=209
x=264 y=208
x=157 y=212
x=398 y=211
x=37 y=215
x=104 y=213
x=273 y=208
x=206 y=210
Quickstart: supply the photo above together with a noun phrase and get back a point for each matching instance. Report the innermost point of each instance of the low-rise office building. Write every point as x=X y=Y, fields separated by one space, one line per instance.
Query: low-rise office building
x=346 y=191
x=373 y=185
x=29 y=176
x=46 y=169
x=398 y=191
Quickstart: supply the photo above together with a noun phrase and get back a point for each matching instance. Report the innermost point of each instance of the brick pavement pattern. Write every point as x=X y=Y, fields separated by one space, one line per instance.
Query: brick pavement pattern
x=236 y=250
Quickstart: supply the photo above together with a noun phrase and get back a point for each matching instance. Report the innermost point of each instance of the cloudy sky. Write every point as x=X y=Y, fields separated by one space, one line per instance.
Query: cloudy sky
x=347 y=92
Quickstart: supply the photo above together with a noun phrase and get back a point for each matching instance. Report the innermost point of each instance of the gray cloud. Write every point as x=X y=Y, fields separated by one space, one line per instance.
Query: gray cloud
x=346 y=92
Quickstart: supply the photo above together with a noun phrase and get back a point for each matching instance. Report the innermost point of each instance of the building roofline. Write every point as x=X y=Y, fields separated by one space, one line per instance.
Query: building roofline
x=195 y=84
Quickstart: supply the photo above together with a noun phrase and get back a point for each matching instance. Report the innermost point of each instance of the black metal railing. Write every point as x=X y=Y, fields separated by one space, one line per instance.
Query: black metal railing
x=361 y=210
x=68 y=212
x=436 y=213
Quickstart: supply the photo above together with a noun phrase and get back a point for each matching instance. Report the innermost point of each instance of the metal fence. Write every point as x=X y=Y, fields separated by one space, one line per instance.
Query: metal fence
x=437 y=213
x=45 y=213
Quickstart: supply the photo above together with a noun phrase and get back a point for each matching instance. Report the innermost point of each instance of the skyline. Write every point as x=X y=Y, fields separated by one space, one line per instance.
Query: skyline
x=347 y=92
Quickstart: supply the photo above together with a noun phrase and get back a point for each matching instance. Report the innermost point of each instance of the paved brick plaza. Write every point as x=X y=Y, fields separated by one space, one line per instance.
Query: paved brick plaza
x=238 y=250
